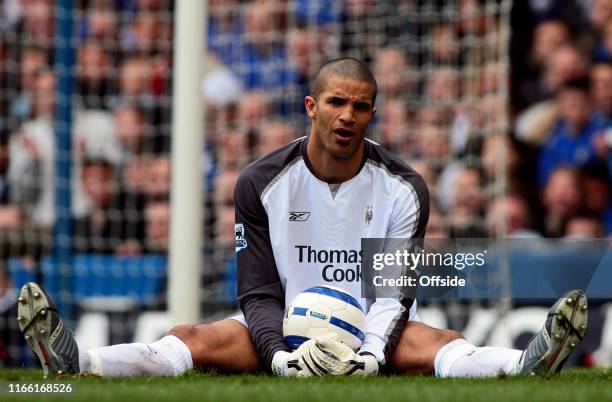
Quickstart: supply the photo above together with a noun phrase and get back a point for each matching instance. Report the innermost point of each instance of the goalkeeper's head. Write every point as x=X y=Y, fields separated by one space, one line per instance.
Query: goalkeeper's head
x=341 y=106
x=343 y=67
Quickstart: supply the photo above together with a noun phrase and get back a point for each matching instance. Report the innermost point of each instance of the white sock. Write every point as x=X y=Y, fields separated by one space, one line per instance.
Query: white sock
x=167 y=357
x=460 y=358
x=84 y=360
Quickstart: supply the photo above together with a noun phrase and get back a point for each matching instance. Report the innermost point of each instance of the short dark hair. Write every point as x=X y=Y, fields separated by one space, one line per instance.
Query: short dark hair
x=344 y=67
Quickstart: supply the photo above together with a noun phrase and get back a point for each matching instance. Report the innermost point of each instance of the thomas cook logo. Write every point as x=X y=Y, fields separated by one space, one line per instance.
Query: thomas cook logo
x=241 y=242
x=369 y=214
x=295 y=216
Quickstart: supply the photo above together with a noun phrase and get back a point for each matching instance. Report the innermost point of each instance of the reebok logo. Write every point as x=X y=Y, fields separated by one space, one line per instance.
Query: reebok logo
x=295 y=216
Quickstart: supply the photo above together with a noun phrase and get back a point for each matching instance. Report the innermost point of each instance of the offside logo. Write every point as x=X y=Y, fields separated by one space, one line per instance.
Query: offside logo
x=295 y=216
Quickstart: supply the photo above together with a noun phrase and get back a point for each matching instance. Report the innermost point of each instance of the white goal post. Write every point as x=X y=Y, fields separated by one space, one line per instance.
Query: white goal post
x=185 y=255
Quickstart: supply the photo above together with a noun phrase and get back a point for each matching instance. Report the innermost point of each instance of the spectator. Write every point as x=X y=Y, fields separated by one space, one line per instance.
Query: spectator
x=32 y=150
x=224 y=30
x=233 y=151
x=105 y=229
x=394 y=128
x=393 y=74
x=94 y=84
x=134 y=175
x=562 y=200
x=148 y=35
x=32 y=60
x=274 y=135
x=157 y=226
x=263 y=55
x=548 y=36
x=601 y=91
x=601 y=14
x=603 y=51
x=131 y=130
x=94 y=137
x=500 y=157
x=437 y=227
x=433 y=145
x=37 y=26
x=101 y=25
x=157 y=185
x=94 y=233
x=254 y=108
x=428 y=174
x=224 y=188
x=445 y=44
x=509 y=216
x=574 y=138
x=305 y=52
x=135 y=76
x=443 y=85
x=566 y=63
x=137 y=85
x=468 y=204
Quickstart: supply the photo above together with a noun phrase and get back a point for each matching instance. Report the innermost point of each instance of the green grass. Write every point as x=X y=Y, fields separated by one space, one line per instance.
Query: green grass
x=572 y=385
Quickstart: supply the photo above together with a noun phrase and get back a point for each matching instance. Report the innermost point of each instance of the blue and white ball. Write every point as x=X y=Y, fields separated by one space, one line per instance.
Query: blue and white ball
x=320 y=310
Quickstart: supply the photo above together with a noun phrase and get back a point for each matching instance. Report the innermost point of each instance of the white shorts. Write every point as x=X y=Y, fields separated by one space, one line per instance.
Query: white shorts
x=412 y=316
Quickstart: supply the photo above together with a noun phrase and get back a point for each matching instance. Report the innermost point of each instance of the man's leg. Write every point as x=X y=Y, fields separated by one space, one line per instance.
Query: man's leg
x=225 y=345
x=214 y=345
x=204 y=346
x=426 y=350
x=445 y=353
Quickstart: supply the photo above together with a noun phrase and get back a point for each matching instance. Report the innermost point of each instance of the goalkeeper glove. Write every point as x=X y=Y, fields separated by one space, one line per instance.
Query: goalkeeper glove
x=327 y=356
x=287 y=364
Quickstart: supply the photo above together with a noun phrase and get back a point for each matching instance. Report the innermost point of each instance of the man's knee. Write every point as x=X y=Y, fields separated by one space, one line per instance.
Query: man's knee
x=418 y=346
x=192 y=337
x=448 y=335
x=183 y=332
x=217 y=344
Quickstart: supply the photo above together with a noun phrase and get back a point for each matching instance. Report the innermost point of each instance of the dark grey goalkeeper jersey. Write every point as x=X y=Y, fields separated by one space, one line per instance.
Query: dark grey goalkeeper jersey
x=293 y=232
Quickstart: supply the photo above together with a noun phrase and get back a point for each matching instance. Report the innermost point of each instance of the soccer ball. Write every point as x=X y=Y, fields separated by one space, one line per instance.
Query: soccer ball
x=321 y=310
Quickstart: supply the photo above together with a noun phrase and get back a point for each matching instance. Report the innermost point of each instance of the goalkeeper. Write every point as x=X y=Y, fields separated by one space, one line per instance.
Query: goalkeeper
x=300 y=215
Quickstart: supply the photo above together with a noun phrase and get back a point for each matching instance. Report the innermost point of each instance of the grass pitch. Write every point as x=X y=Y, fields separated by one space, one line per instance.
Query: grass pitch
x=572 y=385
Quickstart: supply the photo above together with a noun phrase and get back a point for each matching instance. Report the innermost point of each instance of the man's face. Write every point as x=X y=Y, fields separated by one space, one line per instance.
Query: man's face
x=574 y=106
x=341 y=114
x=97 y=182
x=601 y=88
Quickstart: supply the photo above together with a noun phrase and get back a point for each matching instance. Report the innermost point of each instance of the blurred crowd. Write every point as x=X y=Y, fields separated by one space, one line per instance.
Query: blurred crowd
x=514 y=146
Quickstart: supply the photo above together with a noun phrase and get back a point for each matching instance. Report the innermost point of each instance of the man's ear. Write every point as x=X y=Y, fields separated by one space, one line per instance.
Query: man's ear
x=373 y=111
x=311 y=105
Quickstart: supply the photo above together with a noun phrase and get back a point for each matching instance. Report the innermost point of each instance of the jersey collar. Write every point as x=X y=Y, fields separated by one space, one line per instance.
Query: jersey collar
x=304 y=145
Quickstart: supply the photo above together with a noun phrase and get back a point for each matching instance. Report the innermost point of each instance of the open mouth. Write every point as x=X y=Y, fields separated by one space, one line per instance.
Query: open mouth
x=344 y=133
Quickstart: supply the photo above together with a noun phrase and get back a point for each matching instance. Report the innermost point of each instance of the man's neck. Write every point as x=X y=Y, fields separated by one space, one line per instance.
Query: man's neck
x=332 y=169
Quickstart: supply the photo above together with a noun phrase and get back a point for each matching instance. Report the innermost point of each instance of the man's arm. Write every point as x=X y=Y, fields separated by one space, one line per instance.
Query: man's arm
x=387 y=317
x=260 y=293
